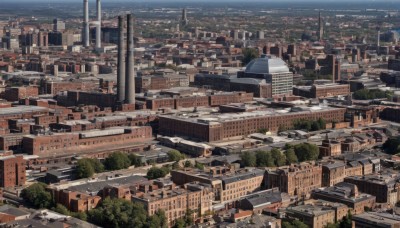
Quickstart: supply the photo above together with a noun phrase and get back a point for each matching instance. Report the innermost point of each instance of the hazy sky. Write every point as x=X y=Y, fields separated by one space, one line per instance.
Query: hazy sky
x=203 y=0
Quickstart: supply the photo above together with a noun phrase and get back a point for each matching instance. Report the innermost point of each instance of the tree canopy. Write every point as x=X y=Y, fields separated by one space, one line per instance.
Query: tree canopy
x=263 y=158
x=392 y=146
x=86 y=167
x=37 y=196
x=249 y=54
x=294 y=224
x=248 y=159
x=309 y=125
x=369 y=94
x=135 y=160
x=175 y=155
x=155 y=172
x=306 y=152
x=120 y=213
x=117 y=161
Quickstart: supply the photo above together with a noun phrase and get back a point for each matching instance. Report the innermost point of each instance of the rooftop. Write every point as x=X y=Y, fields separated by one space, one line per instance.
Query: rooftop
x=267 y=65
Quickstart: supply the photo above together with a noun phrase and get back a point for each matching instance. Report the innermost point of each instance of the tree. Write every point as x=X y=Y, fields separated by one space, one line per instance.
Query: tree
x=278 y=157
x=264 y=159
x=248 y=159
x=188 y=164
x=61 y=209
x=117 y=161
x=155 y=172
x=79 y=215
x=291 y=156
x=118 y=213
x=37 y=196
x=248 y=55
x=158 y=220
x=175 y=155
x=306 y=152
x=346 y=221
x=135 y=160
x=179 y=223
x=299 y=224
x=84 y=168
x=199 y=166
x=392 y=145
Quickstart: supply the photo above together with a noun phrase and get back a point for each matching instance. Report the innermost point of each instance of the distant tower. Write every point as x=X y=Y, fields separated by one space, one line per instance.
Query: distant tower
x=86 y=24
x=244 y=35
x=236 y=34
x=58 y=25
x=130 y=61
x=320 y=27
x=98 y=25
x=85 y=33
x=184 y=19
x=378 y=40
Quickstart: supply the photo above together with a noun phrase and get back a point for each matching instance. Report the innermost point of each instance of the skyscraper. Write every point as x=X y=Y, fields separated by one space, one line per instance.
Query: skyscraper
x=58 y=25
x=320 y=27
x=184 y=19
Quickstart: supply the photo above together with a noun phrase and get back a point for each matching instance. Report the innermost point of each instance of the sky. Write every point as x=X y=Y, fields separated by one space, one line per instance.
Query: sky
x=203 y=0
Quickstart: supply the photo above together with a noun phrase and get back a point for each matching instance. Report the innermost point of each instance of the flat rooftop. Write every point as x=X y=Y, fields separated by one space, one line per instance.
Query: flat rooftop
x=215 y=118
x=22 y=109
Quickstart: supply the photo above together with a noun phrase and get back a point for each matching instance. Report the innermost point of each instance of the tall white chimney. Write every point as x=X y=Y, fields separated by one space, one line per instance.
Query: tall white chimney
x=86 y=42
x=98 y=25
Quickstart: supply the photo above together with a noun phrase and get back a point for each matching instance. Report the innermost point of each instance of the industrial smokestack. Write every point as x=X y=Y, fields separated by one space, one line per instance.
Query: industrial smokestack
x=121 y=59
x=98 y=25
x=86 y=42
x=130 y=71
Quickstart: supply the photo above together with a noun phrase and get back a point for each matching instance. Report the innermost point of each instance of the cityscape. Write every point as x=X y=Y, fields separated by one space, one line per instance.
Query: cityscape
x=222 y=114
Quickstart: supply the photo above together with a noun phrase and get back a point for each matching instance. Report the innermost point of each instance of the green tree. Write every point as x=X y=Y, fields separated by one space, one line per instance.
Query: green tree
x=118 y=213
x=248 y=159
x=155 y=172
x=291 y=156
x=306 y=152
x=79 y=215
x=179 y=223
x=286 y=224
x=61 y=209
x=278 y=157
x=84 y=168
x=175 y=155
x=135 y=160
x=158 y=220
x=188 y=164
x=117 y=161
x=346 y=221
x=199 y=166
x=392 y=145
x=299 y=224
x=248 y=55
x=332 y=225
x=264 y=159
x=37 y=196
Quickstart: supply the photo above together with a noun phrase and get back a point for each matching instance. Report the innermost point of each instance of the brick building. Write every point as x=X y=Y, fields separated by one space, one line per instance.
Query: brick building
x=347 y=194
x=228 y=184
x=321 y=91
x=330 y=148
x=215 y=127
x=51 y=87
x=12 y=171
x=176 y=201
x=76 y=201
x=296 y=180
x=17 y=93
x=60 y=143
x=384 y=187
x=333 y=173
x=318 y=215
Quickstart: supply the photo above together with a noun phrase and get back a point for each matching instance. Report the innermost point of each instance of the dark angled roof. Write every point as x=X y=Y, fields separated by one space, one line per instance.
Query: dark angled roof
x=242 y=176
